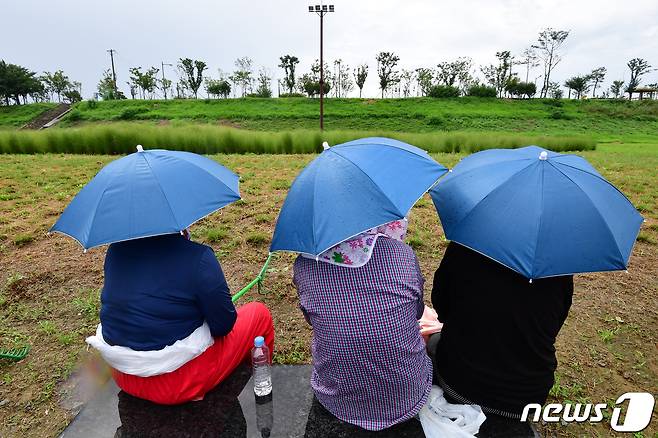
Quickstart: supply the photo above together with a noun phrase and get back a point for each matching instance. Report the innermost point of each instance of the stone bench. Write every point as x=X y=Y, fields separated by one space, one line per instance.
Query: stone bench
x=231 y=410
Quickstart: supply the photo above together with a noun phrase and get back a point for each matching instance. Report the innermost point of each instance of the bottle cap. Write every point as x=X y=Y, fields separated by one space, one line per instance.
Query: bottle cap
x=259 y=341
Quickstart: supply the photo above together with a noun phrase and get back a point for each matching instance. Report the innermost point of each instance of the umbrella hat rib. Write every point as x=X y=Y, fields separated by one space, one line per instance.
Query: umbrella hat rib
x=391 y=205
x=384 y=142
x=539 y=218
x=173 y=214
x=373 y=183
x=596 y=175
x=108 y=183
x=197 y=166
x=593 y=205
x=501 y=184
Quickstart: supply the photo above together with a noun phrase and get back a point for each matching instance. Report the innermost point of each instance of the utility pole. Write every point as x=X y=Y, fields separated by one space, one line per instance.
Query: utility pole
x=338 y=91
x=114 y=75
x=164 y=88
x=321 y=10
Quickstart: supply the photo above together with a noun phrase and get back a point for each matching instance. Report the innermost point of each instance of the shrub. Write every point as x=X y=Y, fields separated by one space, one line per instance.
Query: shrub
x=74 y=116
x=291 y=95
x=520 y=89
x=559 y=114
x=132 y=113
x=481 y=91
x=443 y=91
x=436 y=121
x=264 y=93
x=553 y=102
x=92 y=104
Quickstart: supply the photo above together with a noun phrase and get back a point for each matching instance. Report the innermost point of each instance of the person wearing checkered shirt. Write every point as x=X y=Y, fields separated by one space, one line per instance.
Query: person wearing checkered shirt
x=363 y=299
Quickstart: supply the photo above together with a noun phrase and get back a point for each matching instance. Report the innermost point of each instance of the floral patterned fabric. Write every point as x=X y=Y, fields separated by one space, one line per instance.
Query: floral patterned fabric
x=356 y=252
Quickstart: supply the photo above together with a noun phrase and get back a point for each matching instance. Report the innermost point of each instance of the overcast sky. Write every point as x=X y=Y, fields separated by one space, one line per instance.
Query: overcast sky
x=74 y=35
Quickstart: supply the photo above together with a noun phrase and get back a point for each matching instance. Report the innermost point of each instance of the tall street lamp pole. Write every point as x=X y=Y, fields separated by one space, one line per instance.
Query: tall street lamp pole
x=321 y=10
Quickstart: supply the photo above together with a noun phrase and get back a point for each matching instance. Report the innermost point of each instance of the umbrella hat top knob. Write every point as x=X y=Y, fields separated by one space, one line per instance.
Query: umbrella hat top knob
x=543 y=156
x=140 y=148
x=325 y=146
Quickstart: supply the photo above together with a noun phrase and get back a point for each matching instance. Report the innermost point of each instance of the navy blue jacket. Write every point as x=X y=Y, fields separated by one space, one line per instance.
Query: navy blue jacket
x=160 y=289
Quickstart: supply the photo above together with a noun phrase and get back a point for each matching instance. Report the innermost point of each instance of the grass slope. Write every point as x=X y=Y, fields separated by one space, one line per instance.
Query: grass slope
x=605 y=120
x=16 y=116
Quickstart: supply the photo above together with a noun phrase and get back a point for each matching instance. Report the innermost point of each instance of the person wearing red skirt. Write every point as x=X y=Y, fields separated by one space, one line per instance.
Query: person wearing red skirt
x=169 y=330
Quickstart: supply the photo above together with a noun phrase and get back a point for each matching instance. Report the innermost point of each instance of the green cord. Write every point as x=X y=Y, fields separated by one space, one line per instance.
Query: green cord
x=256 y=281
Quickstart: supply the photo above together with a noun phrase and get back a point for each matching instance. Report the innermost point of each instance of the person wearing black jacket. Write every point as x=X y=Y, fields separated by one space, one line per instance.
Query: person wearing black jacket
x=497 y=346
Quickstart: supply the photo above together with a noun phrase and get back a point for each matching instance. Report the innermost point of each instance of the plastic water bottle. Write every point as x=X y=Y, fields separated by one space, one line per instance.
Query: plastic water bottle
x=260 y=359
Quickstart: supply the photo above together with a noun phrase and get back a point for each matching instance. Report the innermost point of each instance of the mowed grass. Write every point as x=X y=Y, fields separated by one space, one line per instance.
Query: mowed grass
x=49 y=288
x=122 y=137
x=16 y=116
x=605 y=119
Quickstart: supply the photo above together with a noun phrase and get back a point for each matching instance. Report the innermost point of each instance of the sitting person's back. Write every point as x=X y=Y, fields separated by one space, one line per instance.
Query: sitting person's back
x=497 y=343
x=169 y=329
x=159 y=290
x=369 y=359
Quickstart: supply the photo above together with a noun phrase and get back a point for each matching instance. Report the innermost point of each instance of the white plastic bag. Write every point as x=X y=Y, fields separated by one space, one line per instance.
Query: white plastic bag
x=153 y=362
x=441 y=419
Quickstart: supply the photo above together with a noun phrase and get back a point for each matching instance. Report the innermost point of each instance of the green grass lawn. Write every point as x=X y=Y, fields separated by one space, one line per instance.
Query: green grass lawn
x=605 y=120
x=16 y=116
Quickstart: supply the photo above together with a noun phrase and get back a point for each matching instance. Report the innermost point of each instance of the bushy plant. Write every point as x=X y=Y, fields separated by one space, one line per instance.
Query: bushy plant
x=478 y=90
x=74 y=116
x=291 y=95
x=560 y=114
x=436 y=121
x=520 y=89
x=132 y=113
x=443 y=91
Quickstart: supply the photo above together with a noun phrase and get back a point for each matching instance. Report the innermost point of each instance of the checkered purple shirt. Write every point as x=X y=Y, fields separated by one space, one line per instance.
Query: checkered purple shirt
x=369 y=362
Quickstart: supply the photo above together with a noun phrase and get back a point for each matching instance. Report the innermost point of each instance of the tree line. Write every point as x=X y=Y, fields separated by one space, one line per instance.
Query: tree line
x=20 y=85
x=449 y=78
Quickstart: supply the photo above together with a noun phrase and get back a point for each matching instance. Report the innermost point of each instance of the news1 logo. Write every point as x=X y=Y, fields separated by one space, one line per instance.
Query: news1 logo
x=637 y=418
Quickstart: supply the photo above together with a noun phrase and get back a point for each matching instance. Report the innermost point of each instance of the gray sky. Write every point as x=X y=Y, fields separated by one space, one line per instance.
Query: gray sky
x=73 y=35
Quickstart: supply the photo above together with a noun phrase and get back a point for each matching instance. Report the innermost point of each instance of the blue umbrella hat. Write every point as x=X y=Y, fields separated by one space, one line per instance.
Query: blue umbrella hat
x=537 y=212
x=147 y=193
x=351 y=188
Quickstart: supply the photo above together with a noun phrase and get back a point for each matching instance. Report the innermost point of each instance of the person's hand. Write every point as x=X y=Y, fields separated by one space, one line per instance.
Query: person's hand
x=429 y=323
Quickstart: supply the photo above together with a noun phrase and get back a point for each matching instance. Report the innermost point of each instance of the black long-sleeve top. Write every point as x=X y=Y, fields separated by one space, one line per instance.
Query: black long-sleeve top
x=497 y=346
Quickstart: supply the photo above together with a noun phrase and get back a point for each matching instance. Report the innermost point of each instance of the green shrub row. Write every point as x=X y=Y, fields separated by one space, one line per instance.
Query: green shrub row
x=121 y=138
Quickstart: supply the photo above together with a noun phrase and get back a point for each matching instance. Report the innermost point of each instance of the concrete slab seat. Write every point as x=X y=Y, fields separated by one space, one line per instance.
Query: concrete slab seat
x=231 y=410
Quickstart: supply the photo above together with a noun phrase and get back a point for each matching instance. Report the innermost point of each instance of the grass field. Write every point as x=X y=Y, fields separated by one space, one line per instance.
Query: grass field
x=605 y=120
x=49 y=288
